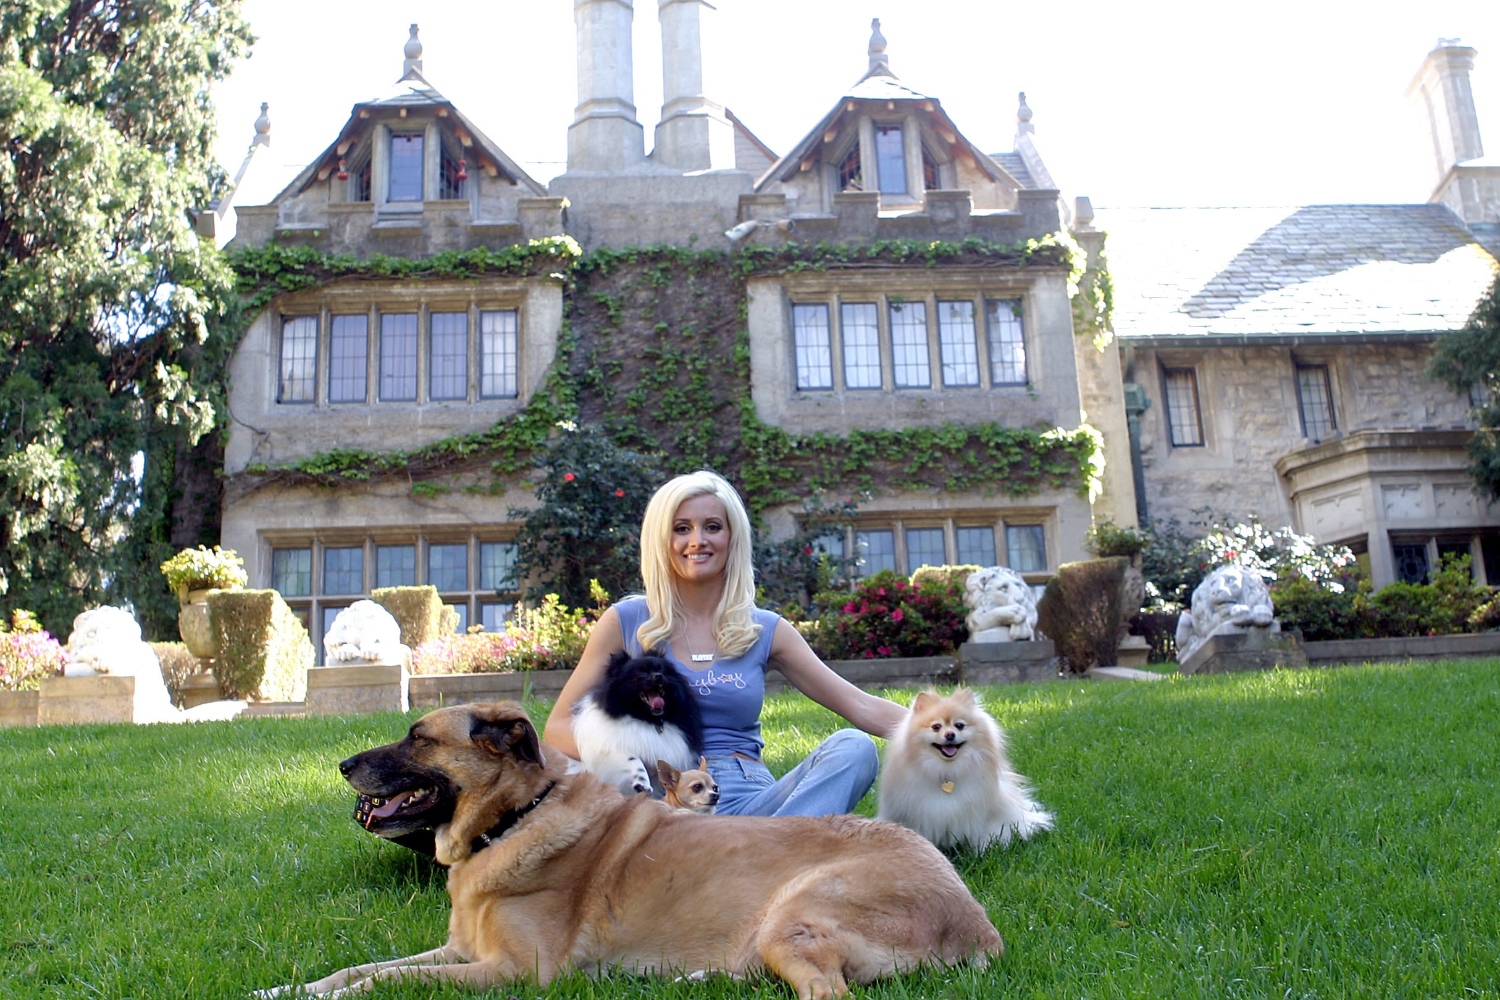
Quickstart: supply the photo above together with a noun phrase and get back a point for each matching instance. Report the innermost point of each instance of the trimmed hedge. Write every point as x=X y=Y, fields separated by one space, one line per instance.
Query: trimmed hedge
x=419 y=611
x=264 y=650
x=1081 y=611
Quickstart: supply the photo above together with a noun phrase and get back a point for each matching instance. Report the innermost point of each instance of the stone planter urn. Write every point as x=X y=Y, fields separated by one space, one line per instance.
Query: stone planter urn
x=200 y=687
x=192 y=624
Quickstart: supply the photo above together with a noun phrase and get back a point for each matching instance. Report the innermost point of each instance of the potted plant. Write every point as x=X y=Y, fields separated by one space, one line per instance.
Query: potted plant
x=191 y=574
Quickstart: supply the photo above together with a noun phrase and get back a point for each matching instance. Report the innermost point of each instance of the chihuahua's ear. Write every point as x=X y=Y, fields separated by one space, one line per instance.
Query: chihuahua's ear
x=668 y=774
x=703 y=763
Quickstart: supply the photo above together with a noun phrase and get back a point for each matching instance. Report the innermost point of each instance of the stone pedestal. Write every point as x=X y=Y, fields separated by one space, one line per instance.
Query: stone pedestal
x=73 y=700
x=983 y=663
x=1133 y=651
x=199 y=689
x=357 y=690
x=1257 y=649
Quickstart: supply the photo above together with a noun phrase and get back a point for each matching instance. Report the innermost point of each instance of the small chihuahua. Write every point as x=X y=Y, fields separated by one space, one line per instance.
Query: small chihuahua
x=694 y=789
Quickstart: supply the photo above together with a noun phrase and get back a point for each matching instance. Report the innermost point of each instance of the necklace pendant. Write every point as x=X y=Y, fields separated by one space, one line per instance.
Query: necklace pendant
x=948 y=787
x=703 y=657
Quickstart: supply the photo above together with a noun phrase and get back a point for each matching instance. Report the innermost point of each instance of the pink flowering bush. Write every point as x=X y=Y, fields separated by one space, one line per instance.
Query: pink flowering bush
x=548 y=637
x=28 y=654
x=470 y=653
x=887 y=616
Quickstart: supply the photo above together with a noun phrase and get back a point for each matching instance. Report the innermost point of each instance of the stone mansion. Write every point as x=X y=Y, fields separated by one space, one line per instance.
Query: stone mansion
x=1263 y=361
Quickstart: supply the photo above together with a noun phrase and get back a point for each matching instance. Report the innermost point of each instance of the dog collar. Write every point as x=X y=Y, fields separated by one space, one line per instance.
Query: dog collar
x=509 y=819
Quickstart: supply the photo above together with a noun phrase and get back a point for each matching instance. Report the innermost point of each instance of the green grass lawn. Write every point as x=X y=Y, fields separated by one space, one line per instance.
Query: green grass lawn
x=1314 y=833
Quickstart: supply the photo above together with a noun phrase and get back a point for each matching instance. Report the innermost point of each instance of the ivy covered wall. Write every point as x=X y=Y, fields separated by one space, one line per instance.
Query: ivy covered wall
x=655 y=350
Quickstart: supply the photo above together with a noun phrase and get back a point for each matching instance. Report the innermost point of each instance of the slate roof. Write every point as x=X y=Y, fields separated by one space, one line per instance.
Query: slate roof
x=1015 y=165
x=1315 y=272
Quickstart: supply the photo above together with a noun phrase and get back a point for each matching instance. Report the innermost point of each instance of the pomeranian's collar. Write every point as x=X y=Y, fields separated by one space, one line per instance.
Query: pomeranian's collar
x=507 y=820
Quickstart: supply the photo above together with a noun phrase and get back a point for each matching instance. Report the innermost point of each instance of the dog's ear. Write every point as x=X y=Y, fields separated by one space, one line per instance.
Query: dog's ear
x=967 y=696
x=703 y=763
x=616 y=663
x=668 y=774
x=923 y=699
x=514 y=736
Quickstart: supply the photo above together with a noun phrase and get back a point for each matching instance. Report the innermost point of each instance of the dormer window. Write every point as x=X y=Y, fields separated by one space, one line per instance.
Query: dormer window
x=890 y=159
x=406 y=167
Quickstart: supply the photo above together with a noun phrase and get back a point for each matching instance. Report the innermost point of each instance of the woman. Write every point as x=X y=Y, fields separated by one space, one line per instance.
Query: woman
x=699 y=608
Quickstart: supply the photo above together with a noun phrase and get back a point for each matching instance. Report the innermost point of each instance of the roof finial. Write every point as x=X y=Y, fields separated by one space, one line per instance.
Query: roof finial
x=262 y=127
x=1023 y=116
x=880 y=63
x=413 y=53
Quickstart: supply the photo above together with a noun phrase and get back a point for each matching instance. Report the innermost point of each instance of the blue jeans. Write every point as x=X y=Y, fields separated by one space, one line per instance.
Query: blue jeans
x=829 y=782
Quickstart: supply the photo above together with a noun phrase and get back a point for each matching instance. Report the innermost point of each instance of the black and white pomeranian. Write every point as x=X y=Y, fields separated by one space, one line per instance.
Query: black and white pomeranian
x=643 y=711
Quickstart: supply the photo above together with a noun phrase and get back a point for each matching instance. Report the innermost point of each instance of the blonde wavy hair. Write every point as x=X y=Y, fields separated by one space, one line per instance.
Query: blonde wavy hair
x=734 y=623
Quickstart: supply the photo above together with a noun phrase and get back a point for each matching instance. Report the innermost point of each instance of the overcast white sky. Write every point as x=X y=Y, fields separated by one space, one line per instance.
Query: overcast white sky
x=1150 y=103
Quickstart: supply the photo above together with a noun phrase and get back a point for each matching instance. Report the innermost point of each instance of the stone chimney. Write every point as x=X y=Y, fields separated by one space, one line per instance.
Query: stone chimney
x=693 y=133
x=605 y=135
x=1466 y=182
x=1442 y=88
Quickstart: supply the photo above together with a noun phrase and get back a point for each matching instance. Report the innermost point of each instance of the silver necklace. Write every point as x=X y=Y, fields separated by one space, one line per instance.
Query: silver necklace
x=695 y=657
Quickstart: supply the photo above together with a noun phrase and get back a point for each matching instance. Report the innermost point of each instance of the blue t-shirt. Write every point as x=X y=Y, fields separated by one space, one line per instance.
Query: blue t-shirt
x=730 y=690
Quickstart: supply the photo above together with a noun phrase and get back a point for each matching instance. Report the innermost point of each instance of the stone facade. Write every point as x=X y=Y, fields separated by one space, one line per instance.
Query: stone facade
x=1271 y=305
x=388 y=364
x=1251 y=419
x=1275 y=358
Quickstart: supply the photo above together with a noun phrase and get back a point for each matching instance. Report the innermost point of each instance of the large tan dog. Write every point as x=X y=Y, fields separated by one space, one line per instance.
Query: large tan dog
x=552 y=870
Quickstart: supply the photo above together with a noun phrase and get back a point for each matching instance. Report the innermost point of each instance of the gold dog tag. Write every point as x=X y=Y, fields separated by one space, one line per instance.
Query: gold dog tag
x=948 y=786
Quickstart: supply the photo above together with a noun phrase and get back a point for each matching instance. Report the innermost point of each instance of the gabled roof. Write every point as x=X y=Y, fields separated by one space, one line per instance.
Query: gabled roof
x=879 y=86
x=411 y=91
x=1199 y=276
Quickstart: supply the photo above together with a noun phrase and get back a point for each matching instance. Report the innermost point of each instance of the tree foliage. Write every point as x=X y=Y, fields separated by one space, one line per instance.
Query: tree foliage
x=1468 y=359
x=587 y=525
x=107 y=298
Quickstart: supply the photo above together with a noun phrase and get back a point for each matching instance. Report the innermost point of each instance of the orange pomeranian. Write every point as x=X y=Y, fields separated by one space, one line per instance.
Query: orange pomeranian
x=947 y=777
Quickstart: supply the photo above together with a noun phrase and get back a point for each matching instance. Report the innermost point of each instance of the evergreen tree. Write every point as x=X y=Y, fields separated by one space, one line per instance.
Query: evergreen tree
x=1468 y=360
x=106 y=295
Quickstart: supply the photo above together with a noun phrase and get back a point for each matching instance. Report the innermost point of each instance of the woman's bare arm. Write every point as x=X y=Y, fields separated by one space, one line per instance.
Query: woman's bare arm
x=606 y=640
x=791 y=654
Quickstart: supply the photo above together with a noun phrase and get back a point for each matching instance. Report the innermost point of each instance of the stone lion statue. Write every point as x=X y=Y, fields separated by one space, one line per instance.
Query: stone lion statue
x=108 y=641
x=1231 y=599
x=1001 y=606
x=364 y=633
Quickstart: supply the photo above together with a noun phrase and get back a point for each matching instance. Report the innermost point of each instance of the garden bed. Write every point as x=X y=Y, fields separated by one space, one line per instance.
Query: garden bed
x=437 y=690
x=18 y=708
x=1334 y=652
